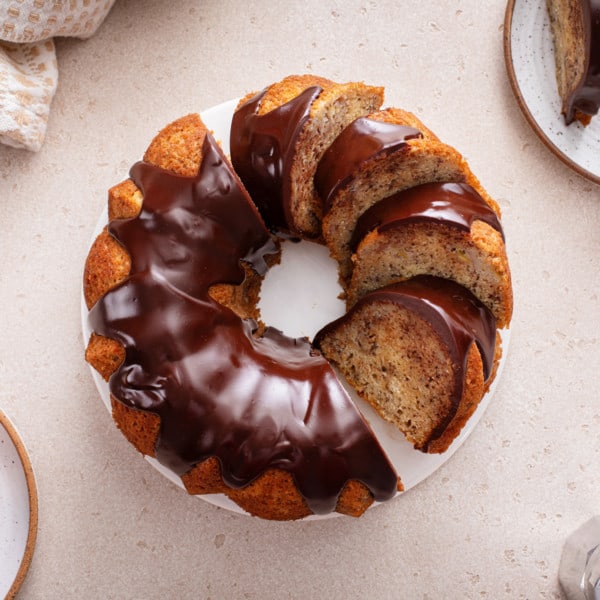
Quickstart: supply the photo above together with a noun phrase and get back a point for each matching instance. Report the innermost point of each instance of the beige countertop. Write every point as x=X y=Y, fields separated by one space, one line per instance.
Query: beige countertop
x=490 y=523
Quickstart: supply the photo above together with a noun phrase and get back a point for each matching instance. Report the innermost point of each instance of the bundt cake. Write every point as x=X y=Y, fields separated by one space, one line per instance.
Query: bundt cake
x=575 y=26
x=236 y=407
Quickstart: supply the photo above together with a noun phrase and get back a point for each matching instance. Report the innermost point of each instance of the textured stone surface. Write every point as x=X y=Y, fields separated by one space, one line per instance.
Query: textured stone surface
x=492 y=521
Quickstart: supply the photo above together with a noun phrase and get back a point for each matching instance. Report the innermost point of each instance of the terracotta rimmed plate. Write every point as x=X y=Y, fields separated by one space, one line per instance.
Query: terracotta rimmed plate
x=310 y=263
x=18 y=509
x=529 y=56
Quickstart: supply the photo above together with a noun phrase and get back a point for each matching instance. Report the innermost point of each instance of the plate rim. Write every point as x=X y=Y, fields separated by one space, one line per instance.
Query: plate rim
x=512 y=77
x=7 y=424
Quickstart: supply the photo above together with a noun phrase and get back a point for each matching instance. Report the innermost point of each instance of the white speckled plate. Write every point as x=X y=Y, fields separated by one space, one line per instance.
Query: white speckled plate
x=302 y=311
x=18 y=509
x=529 y=55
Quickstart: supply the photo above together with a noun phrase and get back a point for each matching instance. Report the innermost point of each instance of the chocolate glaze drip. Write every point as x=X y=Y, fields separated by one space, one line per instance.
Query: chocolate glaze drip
x=262 y=151
x=252 y=402
x=453 y=204
x=585 y=97
x=455 y=314
x=364 y=139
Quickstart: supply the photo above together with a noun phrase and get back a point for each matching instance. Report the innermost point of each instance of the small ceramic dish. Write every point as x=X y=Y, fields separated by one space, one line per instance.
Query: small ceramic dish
x=18 y=510
x=529 y=55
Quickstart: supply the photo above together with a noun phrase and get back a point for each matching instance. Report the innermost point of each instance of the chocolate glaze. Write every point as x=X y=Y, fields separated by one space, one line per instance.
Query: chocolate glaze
x=262 y=150
x=455 y=314
x=585 y=97
x=252 y=402
x=364 y=139
x=454 y=204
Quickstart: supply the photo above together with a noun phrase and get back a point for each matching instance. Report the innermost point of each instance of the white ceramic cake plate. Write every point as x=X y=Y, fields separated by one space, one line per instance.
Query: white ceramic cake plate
x=529 y=56
x=299 y=296
x=18 y=509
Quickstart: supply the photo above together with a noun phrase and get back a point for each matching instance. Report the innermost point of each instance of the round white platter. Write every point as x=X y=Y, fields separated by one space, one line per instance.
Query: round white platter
x=301 y=309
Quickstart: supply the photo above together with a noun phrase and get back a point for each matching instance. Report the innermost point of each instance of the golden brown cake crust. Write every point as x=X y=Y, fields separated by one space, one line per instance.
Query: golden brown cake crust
x=107 y=265
x=178 y=147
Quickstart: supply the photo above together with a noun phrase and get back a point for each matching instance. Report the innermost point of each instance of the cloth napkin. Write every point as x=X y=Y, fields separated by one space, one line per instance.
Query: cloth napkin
x=28 y=67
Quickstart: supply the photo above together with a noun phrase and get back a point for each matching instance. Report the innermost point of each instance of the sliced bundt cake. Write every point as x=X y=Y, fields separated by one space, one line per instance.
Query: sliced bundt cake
x=236 y=407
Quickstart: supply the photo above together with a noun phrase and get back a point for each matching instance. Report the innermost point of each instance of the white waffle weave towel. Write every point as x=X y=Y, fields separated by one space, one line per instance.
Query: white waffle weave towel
x=28 y=69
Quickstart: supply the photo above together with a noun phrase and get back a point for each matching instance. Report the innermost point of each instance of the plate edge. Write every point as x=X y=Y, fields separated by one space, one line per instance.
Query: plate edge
x=33 y=504
x=507 y=43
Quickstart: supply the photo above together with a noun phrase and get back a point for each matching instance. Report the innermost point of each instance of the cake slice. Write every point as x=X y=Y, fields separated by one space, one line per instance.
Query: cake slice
x=421 y=352
x=575 y=26
x=373 y=158
x=278 y=137
x=442 y=229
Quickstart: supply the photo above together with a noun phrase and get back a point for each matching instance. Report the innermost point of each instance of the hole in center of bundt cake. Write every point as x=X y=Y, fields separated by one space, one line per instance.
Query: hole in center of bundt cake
x=301 y=294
